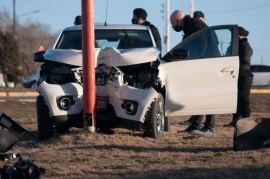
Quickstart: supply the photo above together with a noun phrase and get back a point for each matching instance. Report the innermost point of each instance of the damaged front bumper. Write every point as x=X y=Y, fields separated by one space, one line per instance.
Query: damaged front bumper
x=128 y=102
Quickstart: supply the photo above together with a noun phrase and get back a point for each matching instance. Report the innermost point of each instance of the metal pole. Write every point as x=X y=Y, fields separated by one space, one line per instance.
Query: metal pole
x=14 y=17
x=168 y=26
x=89 y=82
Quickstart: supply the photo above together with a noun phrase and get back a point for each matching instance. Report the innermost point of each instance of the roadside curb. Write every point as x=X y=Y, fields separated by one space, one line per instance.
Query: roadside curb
x=18 y=94
x=30 y=93
x=261 y=91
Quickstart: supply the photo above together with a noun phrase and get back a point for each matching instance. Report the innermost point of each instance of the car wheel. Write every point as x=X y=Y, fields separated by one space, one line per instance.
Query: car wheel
x=44 y=121
x=62 y=129
x=156 y=118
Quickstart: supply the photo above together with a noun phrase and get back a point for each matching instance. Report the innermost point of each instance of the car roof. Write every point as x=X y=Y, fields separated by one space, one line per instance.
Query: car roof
x=111 y=26
x=259 y=65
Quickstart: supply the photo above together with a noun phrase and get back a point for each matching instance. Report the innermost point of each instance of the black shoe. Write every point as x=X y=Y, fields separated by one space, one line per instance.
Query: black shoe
x=246 y=116
x=187 y=122
x=189 y=129
x=205 y=131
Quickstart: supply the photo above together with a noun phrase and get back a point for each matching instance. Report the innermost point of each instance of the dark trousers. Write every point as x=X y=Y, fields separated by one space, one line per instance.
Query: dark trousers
x=243 y=102
x=209 y=122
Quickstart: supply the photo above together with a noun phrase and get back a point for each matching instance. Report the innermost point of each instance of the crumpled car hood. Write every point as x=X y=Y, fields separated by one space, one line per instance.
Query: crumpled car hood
x=109 y=56
x=113 y=57
x=70 y=56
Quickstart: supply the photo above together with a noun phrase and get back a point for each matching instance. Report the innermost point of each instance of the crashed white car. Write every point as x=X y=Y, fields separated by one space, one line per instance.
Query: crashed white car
x=135 y=88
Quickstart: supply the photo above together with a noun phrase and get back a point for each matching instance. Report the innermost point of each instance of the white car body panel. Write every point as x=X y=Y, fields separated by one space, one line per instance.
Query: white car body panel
x=261 y=79
x=113 y=57
x=261 y=74
x=108 y=56
x=70 y=56
x=116 y=96
x=53 y=91
x=194 y=87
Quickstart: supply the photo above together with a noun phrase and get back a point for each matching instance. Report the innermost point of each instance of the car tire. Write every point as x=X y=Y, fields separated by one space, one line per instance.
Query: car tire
x=62 y=129
x=156 y=118
x=44 y=121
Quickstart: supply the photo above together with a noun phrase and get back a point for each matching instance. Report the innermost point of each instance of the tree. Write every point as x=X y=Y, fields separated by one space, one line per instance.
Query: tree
x=30 y=36
x=9 y=58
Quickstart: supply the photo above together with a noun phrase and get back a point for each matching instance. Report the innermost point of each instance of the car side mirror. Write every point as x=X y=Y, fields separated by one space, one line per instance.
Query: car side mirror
x=175 y=55
x=38 y=56
x=179 y=53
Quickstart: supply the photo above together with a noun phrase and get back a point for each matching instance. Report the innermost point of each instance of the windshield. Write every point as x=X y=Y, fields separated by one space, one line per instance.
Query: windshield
x=120 y=39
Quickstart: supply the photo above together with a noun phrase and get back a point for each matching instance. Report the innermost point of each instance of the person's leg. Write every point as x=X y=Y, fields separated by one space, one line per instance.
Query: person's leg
x=210 y=122
x=197 y=120
x=243 y=103
x=187 y=122
x=195 y=125
x=245 y=93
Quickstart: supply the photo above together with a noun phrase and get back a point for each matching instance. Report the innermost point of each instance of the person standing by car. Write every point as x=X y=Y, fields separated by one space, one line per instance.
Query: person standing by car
x=198 y=15
x=245 y=78
x=78 y=20
x=182 y=22
x=139 y=17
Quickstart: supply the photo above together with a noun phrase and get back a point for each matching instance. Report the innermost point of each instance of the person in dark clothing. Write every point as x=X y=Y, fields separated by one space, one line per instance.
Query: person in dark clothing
x=245 y=78
x=78 y=20
x=182 y=22
x=139 y=17
x=199 y=15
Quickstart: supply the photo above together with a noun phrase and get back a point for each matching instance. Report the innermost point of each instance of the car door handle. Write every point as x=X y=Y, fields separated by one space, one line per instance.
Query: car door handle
x=227 y=71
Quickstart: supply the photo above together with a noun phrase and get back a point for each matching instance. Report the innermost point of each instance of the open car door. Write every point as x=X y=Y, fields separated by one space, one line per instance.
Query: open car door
x=202 y=73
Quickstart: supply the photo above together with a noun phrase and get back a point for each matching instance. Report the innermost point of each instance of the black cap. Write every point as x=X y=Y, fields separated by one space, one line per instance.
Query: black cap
x=140 y=13
x=242 y=31
x=198 y=14
x=78 y=20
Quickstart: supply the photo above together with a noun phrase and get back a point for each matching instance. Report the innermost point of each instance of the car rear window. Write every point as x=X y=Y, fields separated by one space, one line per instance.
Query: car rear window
x=260 y=68
x=120 y=39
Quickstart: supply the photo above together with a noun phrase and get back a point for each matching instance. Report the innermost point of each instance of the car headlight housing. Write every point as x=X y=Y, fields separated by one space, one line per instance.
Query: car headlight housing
x=65 y=102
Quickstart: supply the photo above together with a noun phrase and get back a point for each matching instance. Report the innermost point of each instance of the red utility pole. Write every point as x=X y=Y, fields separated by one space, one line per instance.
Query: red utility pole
x=89 y=82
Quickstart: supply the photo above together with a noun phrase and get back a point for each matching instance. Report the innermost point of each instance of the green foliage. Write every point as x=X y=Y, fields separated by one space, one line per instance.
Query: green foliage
x=9 y=56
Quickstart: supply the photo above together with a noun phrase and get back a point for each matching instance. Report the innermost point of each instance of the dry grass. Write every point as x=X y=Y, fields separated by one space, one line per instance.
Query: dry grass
x=127 y=155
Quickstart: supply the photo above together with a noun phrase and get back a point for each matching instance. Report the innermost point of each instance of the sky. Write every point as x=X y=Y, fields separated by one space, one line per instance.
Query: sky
x=250 y=14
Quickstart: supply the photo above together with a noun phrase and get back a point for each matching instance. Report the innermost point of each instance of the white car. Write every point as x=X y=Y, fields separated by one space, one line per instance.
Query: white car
x=136 y=88
x=261 y=74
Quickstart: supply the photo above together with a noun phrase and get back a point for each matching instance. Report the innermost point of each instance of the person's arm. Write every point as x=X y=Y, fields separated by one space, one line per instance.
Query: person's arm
x=157 y=37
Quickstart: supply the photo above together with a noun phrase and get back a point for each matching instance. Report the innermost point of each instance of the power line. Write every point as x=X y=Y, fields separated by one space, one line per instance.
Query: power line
x=244 y=9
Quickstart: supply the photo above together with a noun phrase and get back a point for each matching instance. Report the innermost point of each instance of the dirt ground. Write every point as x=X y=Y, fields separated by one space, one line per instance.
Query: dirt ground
x=123 y=154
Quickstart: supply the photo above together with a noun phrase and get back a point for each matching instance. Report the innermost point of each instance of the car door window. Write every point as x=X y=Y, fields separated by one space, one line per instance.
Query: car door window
x=263 y=69
x=208 y=44
x=253 y=68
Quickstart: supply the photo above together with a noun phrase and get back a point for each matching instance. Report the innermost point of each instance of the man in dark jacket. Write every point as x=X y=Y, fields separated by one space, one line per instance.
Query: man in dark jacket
x=139 y=17
x=182 y=22
x=245 y=78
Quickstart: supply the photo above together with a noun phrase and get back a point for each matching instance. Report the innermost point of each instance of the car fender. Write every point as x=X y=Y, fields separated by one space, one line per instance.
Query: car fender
x=51 y=92
x=117 y=95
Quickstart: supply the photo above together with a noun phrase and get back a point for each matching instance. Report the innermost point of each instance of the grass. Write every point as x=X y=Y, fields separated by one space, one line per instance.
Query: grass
x=123 y=154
